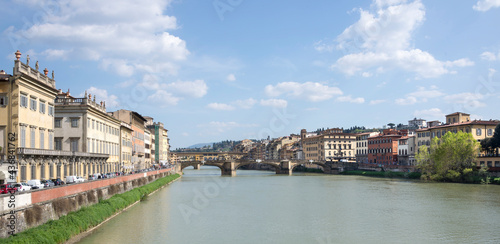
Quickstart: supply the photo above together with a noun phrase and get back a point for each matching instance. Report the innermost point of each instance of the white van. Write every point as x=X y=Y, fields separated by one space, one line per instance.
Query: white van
x=70 y=179
x=35 y=184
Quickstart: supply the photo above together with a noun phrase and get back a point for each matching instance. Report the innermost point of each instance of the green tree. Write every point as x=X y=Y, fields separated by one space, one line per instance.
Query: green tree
x=450 y=158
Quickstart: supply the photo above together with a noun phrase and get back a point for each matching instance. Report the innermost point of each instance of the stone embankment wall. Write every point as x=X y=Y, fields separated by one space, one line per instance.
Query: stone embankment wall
x=37 y=207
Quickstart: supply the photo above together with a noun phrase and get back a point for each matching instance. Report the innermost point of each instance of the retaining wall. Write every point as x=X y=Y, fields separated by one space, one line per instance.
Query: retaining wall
x=37 y=207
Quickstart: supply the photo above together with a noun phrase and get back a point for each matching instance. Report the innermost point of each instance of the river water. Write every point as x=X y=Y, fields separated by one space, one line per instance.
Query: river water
x=261 y=207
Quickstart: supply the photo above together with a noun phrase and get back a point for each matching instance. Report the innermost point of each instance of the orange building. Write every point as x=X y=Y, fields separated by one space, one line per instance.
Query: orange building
x=383 y=149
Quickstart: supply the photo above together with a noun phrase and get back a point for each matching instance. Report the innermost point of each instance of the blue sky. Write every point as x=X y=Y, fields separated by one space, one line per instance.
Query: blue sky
x=236 y=69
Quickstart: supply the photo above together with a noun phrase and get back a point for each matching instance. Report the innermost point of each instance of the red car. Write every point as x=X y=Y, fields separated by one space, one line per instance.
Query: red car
x=7 y=188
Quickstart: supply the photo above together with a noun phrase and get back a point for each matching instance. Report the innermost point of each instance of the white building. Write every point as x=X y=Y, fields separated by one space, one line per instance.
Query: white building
x=362 y=146
x=417 y=123
x=82 y=125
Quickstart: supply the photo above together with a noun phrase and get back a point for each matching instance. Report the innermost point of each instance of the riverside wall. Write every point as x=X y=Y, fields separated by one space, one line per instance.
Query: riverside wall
x=37 y=207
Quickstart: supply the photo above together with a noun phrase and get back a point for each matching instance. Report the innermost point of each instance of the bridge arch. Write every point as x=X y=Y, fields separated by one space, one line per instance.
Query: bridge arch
x=276 y=166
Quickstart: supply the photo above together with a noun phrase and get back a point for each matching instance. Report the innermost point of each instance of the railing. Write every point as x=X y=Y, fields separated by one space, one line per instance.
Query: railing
x=22 y=68
x=80 y=101
x=488 y=155
x=47 y=152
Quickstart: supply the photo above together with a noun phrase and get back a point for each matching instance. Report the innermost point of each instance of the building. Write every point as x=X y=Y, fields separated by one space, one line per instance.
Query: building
x=27 y=111
x=332 y=145
x=383 y=148
x=417 y=123
x=137 y=124
x=82 y=125
x=406 y=150
x=147 y=148
x=479 y=129
x=126 y=147
x=161 y=140
x=362 y=146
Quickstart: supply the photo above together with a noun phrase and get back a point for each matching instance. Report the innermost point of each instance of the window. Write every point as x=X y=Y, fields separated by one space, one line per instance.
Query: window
x=88 y=123
x=51 y=110
x=42 y=139
x=32 y=137
x=490 y=132
x=23 y=136
x=3 y=99
x=24 y=101
x=33 y=103
x=74 y=144
x=42 y=107
x=74 y=122
x=478 y=132
x=57 y=123
x=58 y=142
x=93 y=123
x=51 y=140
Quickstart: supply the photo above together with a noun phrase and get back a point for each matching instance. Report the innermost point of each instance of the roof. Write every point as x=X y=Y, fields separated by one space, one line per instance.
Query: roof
x=457 y=113
x=473 y=122
x=138 y=115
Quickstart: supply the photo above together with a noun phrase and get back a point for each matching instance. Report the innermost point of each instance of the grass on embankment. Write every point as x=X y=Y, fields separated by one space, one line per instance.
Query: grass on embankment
x=72 y=224
x=386 y=174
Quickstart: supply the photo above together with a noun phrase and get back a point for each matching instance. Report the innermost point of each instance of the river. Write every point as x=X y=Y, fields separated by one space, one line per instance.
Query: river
x=261 y=207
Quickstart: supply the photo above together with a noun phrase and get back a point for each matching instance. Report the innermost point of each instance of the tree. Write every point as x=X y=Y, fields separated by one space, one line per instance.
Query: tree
x=450 y=158
x=391 y=125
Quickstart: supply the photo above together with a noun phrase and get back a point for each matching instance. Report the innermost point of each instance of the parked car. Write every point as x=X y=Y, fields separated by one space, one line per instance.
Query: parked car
x=7 y=188
x=48 y=183
x=79 y=179
x=95 y=176
x=23 y=186
x=58 y=182
x=35 y=184
x=74 y=179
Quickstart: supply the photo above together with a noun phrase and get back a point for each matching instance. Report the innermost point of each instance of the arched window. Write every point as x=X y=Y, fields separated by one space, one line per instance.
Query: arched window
x=478 y=131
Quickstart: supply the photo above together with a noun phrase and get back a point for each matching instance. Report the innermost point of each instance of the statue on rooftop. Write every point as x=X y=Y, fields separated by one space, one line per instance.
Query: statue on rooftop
x=52 y=74
x=36 y=66
x=28 y=60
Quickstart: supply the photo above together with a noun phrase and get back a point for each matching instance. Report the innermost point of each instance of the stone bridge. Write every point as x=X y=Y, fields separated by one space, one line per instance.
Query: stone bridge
x=281 y=167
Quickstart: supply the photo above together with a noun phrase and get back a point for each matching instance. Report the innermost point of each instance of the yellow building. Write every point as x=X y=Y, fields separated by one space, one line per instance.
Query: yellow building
x=126 y=147
x=27 y=110
x=480 y=130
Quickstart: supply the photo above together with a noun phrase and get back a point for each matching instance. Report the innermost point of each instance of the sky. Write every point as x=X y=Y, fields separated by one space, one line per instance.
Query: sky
x=237 y=69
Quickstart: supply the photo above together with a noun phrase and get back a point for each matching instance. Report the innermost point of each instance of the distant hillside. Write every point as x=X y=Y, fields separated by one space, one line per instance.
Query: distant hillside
x=200 y=145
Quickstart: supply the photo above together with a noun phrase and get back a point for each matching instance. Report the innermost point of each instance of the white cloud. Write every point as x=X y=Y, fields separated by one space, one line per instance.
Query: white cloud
x=381 y=40
x=312 y=109
x=375 y=102
x=102 y=95
x=422 y=94
x=163 y=98
x=197 y=88
x=220 y=106
x=245 y=104
x=429 y=114
x=490 y=56
x=124 y=32
x=312 y=91
x=320 y=46
x=173 y=91
x=406 y=101
x=275 y=103
x=350 y=99
x=366 y=74
x=467 y=99
x=231 y=77
x=485 y=5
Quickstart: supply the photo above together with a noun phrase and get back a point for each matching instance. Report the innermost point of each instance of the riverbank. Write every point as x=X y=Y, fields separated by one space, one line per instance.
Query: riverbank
x=386 y=174
x=75 y=223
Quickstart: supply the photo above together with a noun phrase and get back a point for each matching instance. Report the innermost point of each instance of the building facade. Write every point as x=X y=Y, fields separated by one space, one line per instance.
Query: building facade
x=137 y=123
x=332 y=145
x=383 y=148
x=362 y=146
x=126 y=147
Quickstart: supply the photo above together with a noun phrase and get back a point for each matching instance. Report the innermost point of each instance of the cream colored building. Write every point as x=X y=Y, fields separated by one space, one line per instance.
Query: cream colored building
x=82 y=125
x=332 y=145
x=147 y=148
x=27 y=111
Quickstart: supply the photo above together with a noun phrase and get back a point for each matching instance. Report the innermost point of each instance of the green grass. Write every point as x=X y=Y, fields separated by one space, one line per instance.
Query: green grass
x=74 y=223
x=387 y=174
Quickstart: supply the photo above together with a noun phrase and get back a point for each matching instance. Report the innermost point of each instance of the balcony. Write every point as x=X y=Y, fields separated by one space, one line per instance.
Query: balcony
x=46 y=152
x=80 y=101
